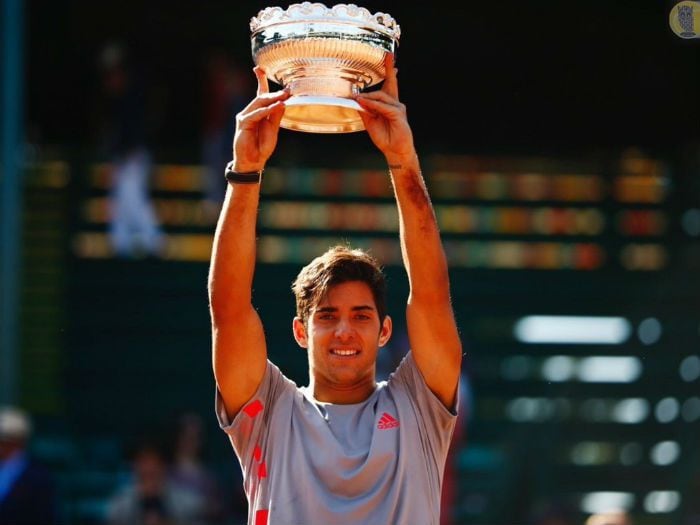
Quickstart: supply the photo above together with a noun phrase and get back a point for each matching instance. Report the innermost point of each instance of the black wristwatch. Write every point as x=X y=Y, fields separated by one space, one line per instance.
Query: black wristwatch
x=250 y=177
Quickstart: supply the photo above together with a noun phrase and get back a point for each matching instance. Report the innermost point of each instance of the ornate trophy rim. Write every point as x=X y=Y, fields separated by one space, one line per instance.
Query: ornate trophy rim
x=318 y=12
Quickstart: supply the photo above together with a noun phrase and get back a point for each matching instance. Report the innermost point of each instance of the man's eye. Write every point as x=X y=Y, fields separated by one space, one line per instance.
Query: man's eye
x=325 y=317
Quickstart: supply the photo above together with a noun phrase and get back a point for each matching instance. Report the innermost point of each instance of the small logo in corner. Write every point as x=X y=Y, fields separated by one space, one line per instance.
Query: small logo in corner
x=387 y=421
x=684 y=19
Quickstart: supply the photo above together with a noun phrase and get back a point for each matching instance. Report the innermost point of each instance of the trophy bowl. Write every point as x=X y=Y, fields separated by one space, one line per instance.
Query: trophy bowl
x=326 y=55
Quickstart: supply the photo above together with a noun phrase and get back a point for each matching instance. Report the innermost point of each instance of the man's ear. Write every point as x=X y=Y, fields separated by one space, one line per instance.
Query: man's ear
x=299 y=331
x=385 y=331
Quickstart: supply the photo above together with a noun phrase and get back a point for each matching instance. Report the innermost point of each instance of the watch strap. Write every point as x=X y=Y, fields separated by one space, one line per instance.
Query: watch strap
x=250 y=177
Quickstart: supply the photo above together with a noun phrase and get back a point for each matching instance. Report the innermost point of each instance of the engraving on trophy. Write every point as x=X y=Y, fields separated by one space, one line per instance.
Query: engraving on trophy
x=325 y=55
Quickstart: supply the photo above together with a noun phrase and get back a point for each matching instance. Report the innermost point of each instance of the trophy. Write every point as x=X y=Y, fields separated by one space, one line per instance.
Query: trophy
x=325 y=55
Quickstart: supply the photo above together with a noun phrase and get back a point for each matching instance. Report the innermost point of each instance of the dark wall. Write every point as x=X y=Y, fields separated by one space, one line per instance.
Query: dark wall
x=507 y=77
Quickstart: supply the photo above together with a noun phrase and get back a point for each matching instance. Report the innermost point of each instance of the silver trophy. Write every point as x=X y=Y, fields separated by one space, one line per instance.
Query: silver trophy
x=325 y=55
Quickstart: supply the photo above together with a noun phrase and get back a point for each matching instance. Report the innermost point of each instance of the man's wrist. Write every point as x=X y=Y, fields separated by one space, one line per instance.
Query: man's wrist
x=403 y=163
x=245 y=167
x=234 y=174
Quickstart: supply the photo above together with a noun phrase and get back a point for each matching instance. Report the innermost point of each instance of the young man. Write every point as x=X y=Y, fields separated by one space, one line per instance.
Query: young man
x=344 y=450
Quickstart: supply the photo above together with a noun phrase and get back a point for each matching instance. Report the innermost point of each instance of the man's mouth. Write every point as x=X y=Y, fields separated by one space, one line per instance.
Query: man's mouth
x=344 y=353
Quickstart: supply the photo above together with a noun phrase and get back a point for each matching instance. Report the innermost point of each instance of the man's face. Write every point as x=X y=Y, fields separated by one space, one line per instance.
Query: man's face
x=342 y=336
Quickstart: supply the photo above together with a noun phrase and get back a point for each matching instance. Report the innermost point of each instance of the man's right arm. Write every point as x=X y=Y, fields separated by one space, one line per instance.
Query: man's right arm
x=239 y=349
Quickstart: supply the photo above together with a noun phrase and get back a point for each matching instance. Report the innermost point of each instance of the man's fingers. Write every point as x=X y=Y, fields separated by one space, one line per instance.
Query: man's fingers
x=263 y=86
x=277 y=114
x=258 y=114
x=391 y=84
x=381 y=96
x=380 y=102
x=265 y=99
x=367 y=117
x=374 y=103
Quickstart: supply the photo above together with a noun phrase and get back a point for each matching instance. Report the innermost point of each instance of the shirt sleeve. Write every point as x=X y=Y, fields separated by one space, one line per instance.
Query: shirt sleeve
x=248 y=429
x=437 y=421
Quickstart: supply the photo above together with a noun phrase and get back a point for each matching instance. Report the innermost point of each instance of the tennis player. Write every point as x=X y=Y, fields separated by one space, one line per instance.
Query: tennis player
x=345 y=449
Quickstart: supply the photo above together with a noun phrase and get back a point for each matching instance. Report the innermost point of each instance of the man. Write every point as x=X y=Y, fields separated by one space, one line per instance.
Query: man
x=150 y=498
x=27 y=489
x=344 y=450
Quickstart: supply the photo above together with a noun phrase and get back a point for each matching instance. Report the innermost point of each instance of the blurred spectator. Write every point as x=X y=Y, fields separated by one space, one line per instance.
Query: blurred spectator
x=133 y=228
x=227 y=90
x=151 y=499
x=612 y=517
x=27 y=491
x=188 y=471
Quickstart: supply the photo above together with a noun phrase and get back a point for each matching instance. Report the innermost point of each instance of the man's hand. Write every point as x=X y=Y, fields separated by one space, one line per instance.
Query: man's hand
x=385 y=118
x=257 y=127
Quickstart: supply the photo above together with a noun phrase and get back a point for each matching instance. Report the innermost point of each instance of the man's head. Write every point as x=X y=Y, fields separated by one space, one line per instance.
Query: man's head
x=113 y=67
x=15 y=429
x=342 y=322
x=338 y=265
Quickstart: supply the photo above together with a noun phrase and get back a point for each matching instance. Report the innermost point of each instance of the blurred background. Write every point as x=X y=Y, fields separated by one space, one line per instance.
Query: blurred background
x=561 y=145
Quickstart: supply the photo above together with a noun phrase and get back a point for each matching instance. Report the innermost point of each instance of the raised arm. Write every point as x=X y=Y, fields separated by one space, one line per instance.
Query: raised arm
x=239 y=350
x=432 y=331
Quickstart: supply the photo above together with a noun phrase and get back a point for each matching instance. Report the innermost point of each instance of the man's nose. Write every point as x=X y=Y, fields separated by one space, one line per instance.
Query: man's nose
x=343 y=330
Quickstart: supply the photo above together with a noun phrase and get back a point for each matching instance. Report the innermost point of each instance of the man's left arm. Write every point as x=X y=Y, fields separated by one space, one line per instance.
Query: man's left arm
x=432 y=330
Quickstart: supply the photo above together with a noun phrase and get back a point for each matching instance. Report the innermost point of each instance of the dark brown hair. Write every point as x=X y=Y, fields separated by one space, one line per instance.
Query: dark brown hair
x=340 y=264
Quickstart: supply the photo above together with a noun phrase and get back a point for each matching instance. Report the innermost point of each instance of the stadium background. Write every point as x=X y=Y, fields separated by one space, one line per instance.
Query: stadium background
x=560 y=143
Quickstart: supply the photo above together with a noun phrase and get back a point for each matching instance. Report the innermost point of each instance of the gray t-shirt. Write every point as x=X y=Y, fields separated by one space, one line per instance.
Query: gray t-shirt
x=379 y=462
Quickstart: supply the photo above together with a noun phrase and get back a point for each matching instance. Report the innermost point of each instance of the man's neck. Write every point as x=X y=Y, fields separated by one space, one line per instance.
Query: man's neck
x=342 y=396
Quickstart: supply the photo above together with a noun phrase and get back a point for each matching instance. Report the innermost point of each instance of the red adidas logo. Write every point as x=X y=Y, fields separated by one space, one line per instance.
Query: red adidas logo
x=386 y=422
